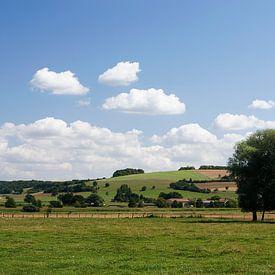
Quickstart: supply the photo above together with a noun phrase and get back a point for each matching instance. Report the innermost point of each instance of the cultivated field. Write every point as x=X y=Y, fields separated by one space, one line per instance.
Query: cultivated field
x=136 y=246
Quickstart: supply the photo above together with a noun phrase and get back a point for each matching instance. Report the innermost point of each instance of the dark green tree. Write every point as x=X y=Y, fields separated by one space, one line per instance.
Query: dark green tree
x=123 y=194
x=29 y=199
x=253 y=168
x=10 y=203
x=95 y=200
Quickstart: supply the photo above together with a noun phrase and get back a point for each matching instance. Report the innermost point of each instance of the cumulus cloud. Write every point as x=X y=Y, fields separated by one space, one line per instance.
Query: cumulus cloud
x=122 y=74
x=227 y=121
x=188 y=133
x=63 y=83
x=150 y=102
x=262 y=104
x=53 y=149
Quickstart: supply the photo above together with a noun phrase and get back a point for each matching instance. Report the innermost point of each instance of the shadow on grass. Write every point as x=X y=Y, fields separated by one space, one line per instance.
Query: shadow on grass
x=204 y=220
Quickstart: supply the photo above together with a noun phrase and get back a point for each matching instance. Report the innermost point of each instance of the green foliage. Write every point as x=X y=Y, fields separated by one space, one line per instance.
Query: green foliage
x=123 y=194
x=199 y=203
x=30 y=208
x=253 y=167
x=170 y=195
x=213 y=167
x=186 y=168
x=188 y=186
x=10 y=203
x=29 y=199
x=230 y=203
x=107 y=184
x=143 y=188
x=161 y=203
x=127 y=171
x=56 y=204
x=94 y=200
x=176 y=204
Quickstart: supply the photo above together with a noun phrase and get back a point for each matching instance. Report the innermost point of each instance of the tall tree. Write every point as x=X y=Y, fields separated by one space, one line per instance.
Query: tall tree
x=253 y=167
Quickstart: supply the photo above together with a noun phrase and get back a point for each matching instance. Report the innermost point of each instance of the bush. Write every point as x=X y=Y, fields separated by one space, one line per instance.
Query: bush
x=30 y=208
x=230 y=203
x=107 y=184
x=134 y=200
x=94 y=200
x=176 y=204
x=56 y=204
x=199 y=203
x=143 y=188
x=161 y=203
x=170 y=195
x=10 y=203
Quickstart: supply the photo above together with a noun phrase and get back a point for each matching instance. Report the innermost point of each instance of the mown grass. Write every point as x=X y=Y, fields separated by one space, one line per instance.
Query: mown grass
x=135 y=246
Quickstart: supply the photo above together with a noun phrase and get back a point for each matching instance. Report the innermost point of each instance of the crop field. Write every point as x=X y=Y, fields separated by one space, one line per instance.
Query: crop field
x=136 y=246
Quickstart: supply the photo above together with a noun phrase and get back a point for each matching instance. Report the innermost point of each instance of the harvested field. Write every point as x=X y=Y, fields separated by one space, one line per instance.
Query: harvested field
x=212 y=174
x=220 y=186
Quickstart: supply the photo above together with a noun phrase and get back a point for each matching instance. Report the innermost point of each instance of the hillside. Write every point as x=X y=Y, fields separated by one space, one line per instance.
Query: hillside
x=161 y=181
x=155 y=183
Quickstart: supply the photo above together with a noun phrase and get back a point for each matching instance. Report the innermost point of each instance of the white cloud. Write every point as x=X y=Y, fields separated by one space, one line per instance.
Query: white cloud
x=122 y=74
x=53 y=149
x=84 y=102
x=188 y=133
x=150 y=102
x=262 y=104
x=228 y=121
x=63 y=83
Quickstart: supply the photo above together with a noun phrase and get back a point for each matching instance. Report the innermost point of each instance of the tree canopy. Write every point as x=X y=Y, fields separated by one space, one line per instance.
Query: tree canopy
x=253 y=167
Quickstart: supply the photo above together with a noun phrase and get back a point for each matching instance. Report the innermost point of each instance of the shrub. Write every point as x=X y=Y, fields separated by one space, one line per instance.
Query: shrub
x=199 y=203
x=107 y=184
x=10 y=203
x=170 y=195
x=161 y=203
x=30 y=208
x=143 y=188
x=94 y=200
x=56 y=204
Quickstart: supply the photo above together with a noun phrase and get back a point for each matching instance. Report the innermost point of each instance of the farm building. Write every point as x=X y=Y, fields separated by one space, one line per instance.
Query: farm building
x=184 y=202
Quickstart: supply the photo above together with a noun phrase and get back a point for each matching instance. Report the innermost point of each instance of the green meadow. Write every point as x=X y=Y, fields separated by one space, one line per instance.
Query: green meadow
x=136 y=246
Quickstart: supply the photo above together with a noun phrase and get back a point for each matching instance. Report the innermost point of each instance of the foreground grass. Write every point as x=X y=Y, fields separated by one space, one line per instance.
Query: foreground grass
x=126 y=246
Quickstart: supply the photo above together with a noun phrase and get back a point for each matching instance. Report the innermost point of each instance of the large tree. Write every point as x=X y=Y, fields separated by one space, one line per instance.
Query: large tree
x=253 y=167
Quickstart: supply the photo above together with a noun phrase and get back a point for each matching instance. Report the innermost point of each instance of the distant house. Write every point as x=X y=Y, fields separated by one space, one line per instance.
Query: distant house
x=185 y=202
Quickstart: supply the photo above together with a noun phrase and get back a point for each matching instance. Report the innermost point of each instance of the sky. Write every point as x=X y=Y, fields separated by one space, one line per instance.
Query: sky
x=88 y=87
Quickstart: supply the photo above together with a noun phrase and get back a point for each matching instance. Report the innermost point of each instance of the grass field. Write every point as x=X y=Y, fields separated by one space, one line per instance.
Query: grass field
x=136 y=246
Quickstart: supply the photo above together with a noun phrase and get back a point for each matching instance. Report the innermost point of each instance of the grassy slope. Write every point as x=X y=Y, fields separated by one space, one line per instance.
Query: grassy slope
x=140 y=246
x=160 y=180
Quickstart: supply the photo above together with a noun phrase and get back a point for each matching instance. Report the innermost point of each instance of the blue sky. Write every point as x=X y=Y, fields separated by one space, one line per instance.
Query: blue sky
x=215 y=56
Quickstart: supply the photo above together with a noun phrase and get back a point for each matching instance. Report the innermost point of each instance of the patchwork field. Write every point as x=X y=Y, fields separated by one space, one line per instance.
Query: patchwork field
x=136 y=246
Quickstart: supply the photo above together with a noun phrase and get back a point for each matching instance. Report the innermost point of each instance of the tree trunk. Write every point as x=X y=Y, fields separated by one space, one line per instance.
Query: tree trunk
x=254 y=216
x=263 y=215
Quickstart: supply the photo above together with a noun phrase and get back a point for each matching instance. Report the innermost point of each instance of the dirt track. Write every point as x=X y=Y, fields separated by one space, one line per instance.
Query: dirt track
x=238 y=216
